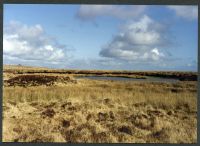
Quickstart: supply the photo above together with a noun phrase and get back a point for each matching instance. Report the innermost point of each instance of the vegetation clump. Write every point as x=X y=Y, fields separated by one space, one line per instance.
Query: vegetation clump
x=36 y=80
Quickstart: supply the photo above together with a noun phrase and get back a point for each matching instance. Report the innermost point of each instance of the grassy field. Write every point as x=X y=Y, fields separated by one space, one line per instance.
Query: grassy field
x=47 y=106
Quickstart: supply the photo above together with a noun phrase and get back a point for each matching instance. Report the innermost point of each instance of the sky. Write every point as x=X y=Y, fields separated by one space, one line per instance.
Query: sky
x=102 y=37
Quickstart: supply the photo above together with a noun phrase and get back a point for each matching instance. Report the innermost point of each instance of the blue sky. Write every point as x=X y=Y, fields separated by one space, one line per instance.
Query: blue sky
x=110 y=37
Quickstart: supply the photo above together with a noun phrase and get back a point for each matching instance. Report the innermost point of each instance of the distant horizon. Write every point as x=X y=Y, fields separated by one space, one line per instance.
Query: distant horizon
x=101 y=37
x=96 y=69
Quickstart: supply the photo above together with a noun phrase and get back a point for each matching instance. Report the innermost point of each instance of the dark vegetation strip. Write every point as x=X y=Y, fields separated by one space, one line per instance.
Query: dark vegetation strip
x=35 y=80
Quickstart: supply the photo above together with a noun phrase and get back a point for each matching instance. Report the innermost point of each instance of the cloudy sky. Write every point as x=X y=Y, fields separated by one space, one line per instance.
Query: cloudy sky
x=114 y=37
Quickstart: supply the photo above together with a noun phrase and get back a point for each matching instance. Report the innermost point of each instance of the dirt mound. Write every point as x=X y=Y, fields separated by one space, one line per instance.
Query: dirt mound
x=36 y=80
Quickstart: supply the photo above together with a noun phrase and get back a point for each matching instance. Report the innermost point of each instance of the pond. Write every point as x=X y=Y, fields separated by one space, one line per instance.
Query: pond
x=150 y=79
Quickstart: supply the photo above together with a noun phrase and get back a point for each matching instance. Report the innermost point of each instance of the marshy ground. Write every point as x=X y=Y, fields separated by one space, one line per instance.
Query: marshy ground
x=55 y=107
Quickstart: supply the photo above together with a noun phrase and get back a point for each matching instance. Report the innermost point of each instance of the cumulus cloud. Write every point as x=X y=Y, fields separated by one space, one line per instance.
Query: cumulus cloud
x=88 y=12
x=187 y=12
x=141 y=40
x=30 y=43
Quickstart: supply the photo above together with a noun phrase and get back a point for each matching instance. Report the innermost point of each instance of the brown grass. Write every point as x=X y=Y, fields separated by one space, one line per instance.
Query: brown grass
x=101 y=112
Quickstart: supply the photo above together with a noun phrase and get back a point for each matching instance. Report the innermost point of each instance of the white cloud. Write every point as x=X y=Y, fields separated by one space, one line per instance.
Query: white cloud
x=30 y=43
x=145 y=35
x=138 y=40
x=88 y=12
x=187 y=12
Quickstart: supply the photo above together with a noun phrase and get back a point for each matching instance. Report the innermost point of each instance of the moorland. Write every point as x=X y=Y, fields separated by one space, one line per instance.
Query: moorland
x=53 y=105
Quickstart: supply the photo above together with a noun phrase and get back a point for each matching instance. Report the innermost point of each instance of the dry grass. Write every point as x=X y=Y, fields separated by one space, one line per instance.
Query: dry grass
x=101 y=112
